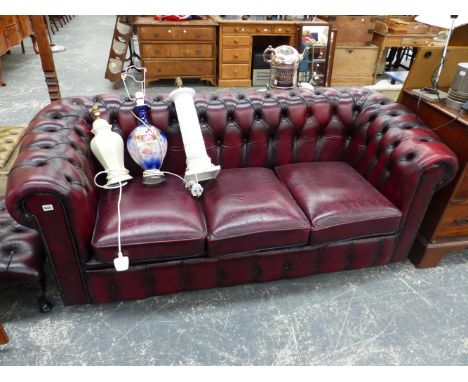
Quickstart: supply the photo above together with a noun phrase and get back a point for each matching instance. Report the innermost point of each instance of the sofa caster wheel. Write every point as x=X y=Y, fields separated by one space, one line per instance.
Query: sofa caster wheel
x=44 y=305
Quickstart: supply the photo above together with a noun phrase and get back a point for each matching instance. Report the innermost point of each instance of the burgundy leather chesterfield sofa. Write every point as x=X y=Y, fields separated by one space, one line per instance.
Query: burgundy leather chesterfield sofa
x=311 y=182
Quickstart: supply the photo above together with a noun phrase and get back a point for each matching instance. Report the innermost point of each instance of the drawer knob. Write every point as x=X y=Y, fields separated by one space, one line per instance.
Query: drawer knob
x=185 y=31
x=236 y=55
x=236 y=41
x=169 y=31
x=461 y=221
x=279 y=29
x=258 y=29
x=197 y=51
x=235 y=71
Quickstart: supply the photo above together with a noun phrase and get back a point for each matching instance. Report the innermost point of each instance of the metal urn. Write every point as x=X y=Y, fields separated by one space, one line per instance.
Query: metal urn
x=284 y=65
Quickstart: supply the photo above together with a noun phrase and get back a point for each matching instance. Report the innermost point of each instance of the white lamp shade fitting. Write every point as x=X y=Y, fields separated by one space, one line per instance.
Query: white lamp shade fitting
x=107 y=146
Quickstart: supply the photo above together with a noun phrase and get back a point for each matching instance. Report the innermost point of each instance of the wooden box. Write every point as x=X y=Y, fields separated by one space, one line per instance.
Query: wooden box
x=352 y=30
x=354 y=65
x=407 y=27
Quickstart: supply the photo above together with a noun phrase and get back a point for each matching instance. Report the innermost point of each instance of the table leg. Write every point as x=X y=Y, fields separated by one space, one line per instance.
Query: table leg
x=3 y=336
x=2 y=83
x=377 y=62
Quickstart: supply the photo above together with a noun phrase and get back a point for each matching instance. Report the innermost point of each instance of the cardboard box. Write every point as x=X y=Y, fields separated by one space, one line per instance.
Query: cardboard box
x=260 y=77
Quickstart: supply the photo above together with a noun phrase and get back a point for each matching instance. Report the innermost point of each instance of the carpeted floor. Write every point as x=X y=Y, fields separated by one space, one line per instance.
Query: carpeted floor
x=388 y=315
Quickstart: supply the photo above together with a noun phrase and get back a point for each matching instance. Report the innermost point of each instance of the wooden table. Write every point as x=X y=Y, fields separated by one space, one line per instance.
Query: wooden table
x=389 y=40
x=445 y=225
x=13 y=30
x=236 y=45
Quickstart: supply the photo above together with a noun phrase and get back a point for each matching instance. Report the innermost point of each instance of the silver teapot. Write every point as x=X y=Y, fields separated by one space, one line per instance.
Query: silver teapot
x=284 y=64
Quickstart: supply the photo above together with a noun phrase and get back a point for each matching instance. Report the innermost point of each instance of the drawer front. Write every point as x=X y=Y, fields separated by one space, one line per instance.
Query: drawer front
x=175 y=33
x=155 y=50
x=169 y=68
x=236 y=40
x=262 y=29
x=454 y=221
x=235 y=71
x=283 y=29
x=411 y=41
x=236 y=29
x=355 y=61
x=13 y=34
x=236 y=55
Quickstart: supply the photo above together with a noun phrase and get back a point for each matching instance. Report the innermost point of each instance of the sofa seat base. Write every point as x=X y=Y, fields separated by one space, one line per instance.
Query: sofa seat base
x=143 y=281
x=248 y=209
x=157 y=223
x=339 y=203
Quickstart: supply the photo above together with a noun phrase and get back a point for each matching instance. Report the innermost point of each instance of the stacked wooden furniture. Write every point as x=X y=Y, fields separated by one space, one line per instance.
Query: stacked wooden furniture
x=391 y=34
x=236 y=42
x=445 y=227
x=170 y=49
x=355 y=55
x=13 y=29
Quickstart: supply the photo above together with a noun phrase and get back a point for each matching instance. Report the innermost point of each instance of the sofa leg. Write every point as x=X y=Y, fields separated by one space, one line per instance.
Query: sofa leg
x=44 y=305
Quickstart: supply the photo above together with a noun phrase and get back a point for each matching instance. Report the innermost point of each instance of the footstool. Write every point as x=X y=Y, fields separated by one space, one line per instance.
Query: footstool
x=21 y=256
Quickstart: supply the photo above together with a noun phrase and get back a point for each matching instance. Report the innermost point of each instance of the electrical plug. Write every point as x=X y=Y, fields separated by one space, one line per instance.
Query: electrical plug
x=121 y=262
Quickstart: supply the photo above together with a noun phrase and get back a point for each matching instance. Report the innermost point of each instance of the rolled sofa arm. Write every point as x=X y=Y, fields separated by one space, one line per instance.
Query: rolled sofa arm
x=402 y=158
x=50 y=188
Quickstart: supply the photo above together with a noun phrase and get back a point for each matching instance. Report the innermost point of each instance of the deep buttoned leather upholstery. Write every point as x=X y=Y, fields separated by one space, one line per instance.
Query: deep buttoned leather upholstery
x=21 y=256
x=50 y=186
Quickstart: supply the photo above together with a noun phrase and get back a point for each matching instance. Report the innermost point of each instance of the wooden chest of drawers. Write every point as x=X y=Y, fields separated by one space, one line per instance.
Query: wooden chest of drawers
x=445 y=225
x=184 y=49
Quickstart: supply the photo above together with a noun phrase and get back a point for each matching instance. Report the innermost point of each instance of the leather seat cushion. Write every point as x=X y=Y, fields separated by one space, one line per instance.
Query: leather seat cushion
x=157 y=223
x=339 y=203
x=248 y=209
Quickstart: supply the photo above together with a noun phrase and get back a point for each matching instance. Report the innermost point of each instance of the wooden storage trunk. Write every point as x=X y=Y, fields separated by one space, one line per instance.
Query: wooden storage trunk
x=354 y=65
x=352 y=30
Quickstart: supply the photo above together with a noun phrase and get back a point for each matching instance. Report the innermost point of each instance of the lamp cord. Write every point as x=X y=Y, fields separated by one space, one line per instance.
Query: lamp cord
x=106 y=187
